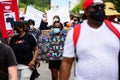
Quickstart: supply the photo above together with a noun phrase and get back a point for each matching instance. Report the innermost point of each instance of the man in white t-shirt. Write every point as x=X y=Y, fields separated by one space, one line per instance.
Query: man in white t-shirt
x=97 y=47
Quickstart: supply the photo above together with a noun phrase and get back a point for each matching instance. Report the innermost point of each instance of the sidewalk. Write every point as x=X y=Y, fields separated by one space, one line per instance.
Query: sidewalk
x=45 y=72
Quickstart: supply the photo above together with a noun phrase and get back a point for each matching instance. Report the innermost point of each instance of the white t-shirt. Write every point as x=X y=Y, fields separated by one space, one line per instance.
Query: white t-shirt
x=97 y=50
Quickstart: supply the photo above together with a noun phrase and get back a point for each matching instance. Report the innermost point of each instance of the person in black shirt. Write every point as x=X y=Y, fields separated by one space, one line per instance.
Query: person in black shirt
x=7 y=62
x=44 y=23
x=26 y=50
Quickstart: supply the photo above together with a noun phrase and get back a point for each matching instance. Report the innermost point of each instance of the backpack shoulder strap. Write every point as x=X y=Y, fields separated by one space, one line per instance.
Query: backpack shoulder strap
x=76 y=34
x=111 y=27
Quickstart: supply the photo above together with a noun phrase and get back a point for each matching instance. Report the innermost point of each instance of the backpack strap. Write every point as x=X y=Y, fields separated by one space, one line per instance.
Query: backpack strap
x=76 y=34
x=77 y=28
x=111 y=27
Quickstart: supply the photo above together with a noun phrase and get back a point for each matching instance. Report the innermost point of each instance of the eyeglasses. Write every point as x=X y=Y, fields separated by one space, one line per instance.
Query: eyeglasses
x=98 y=6
x=56 y=26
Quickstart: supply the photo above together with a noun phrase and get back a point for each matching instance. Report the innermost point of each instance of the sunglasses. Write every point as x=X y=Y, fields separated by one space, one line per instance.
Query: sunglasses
x=97 y=6
x=56 y=26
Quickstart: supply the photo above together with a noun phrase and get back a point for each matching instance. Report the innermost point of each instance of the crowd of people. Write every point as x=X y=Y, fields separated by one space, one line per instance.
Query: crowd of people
x=96 y=49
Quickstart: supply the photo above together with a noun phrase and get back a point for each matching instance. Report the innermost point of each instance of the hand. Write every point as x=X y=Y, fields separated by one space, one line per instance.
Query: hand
x=31 y=64
x=37 y=63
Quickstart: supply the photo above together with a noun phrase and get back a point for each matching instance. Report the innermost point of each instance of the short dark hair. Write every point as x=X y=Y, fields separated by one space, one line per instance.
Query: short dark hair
x=56 y=16
x=61 y=25
x=18 y=24
x=30 y=21
x=22 y=18
x=26 y=23
x=71 y=16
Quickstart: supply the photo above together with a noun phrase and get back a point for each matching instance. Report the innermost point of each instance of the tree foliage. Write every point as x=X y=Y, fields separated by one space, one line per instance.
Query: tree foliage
x=41 y=5
x=78 y=7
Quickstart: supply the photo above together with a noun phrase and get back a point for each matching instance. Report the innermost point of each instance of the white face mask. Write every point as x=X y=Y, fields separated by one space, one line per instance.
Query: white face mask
x=56 y=30
x=31 y=27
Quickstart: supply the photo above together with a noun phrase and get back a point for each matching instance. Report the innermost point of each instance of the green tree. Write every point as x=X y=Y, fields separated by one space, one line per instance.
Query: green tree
x=41 y=5
x=78 y=7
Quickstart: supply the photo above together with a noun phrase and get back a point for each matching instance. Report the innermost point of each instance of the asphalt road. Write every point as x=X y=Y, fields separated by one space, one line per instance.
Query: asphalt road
x=45 y=72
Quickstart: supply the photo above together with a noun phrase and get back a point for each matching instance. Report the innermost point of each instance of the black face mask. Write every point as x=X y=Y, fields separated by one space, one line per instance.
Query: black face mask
x=17 y=30
x=97 y=15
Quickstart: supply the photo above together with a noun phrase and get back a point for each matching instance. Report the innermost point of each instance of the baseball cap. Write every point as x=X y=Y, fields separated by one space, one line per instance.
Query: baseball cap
x=110 y=10
x=88 y=3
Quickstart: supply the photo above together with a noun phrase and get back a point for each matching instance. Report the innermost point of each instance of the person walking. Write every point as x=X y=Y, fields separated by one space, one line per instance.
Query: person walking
x=97 y=47
x=76 y=20
x=36 y=33
x=33 y=30
x=25 y=48
x=57 y=37
x=44 y=23
x=8 y=63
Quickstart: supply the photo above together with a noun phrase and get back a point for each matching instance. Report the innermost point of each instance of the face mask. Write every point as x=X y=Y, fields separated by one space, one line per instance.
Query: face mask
x=31 y=27
x=98 y=15
x=56 y=30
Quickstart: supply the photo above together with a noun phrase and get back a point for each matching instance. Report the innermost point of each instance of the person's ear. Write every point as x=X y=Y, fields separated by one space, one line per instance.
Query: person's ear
x=86 y=13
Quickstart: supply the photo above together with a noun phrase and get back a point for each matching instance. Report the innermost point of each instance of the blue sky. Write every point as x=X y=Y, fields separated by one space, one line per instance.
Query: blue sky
x=60 y=3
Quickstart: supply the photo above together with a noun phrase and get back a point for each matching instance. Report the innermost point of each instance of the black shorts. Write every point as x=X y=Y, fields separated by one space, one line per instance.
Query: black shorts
x=54 y=64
